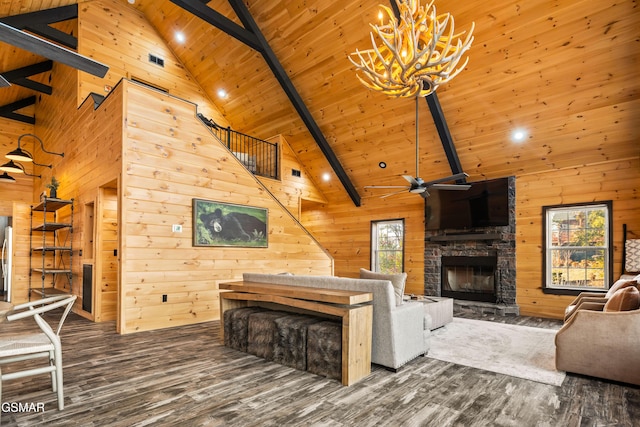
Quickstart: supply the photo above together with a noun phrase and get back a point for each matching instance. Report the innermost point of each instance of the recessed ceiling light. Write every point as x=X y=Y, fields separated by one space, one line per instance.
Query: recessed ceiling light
x=222 y=93
x=180 y=37
x=326 y=176
x=382 y=165
x=519 y=135
x=132 y=1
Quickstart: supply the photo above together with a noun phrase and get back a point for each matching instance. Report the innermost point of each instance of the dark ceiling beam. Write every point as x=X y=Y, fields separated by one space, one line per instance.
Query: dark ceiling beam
x=445 y=136
x=20 y=76
x=260 y=44
x=39 y=23
x=26 y=41
x=204 y=12
x=9 y=111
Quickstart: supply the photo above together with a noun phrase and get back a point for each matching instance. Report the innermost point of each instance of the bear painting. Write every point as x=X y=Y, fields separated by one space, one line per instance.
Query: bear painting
x=230 y=225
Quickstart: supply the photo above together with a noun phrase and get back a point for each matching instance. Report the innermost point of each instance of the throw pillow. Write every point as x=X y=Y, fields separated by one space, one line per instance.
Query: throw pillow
x=620 y=284
x=397 y=280
x=632 y=255
x=624 y=300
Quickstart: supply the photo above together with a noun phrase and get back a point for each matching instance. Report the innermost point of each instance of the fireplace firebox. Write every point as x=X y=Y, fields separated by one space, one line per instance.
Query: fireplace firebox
x=470 y=278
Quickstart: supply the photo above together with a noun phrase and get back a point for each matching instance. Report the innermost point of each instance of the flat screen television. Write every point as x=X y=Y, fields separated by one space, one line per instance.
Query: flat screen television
x=485 y=204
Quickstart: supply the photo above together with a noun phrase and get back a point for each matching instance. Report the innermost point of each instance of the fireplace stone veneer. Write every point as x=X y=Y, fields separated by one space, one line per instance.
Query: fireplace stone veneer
x=485 y=242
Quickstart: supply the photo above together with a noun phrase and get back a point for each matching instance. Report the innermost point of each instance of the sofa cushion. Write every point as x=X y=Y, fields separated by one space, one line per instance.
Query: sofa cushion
x=620 y=284
x=624 y=299
x=397 y=280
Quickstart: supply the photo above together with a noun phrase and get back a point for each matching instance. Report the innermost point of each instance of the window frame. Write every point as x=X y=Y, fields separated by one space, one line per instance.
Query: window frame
x=547 y=283
x=373 y=264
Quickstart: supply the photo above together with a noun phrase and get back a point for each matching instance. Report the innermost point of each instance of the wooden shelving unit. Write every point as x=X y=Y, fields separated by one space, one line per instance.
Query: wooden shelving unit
x=51 y=257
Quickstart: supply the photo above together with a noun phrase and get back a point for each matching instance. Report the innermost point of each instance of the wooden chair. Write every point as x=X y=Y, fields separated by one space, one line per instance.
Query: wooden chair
x=45 y=343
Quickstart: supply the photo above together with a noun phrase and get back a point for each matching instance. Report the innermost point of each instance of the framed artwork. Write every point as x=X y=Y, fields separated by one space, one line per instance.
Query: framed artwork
x=226 y=224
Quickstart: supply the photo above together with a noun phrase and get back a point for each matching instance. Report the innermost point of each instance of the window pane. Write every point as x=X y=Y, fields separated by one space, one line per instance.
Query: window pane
x=387 y=246
x=577 y=247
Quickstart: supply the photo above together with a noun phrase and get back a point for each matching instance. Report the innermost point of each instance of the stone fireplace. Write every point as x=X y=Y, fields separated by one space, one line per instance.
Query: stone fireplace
x=476 y=267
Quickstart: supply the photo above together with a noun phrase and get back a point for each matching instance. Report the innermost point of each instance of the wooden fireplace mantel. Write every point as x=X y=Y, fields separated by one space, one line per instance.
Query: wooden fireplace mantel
x=465 y=236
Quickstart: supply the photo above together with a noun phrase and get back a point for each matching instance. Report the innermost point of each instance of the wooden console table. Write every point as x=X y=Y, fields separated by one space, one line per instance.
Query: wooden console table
x=352 y=307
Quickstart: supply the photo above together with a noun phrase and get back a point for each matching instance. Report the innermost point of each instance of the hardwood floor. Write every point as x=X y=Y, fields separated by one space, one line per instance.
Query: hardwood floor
x=183 y=376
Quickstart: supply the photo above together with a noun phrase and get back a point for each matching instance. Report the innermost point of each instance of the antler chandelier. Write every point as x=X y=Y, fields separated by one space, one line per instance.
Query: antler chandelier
x=417 y=52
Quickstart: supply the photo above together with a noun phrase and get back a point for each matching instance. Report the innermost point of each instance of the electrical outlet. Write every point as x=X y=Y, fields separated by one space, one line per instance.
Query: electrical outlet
x=164 y=298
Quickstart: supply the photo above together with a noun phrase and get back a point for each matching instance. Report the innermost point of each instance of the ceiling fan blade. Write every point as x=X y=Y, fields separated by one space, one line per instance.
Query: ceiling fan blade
x=387 y=186
x=451 y=186
x=4 y=82
x=26 y=41
x=392 y=194
x=447 y=178
x=411 y=180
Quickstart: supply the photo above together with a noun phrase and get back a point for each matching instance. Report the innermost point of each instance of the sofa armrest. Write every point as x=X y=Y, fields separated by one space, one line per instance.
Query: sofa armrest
x=584 y=295
x=407 y=332
x=586 y=303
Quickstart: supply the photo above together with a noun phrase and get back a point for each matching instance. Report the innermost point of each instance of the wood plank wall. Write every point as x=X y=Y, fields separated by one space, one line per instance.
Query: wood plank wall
x=170 y=158
x=21 y=227
x=91 y=141
x=292 y=190
x=20 y=190
x=616 y=181
x=115 y=34
x=107 y=283
x=346 y=232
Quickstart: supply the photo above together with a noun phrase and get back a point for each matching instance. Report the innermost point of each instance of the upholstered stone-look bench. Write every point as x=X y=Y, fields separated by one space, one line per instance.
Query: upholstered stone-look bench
x=262 y=333
x=290 y=343
x=324 y=349
x=302 y=342
x=236 y=327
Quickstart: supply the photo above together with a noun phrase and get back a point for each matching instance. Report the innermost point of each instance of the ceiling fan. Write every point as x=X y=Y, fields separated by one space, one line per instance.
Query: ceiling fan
x=419 y=186
x=26 y=41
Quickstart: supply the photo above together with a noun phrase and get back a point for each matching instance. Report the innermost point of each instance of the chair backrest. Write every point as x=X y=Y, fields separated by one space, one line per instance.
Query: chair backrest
x=31 y=309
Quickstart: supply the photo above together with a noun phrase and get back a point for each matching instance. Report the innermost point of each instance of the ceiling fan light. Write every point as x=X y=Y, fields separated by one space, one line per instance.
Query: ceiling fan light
x=19 y=155
x=11 y=167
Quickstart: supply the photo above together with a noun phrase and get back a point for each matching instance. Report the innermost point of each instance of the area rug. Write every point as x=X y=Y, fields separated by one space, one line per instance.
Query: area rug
x=518 y=351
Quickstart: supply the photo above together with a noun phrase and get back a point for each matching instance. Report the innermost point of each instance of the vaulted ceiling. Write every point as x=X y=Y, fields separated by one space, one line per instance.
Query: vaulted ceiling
x=563 y=71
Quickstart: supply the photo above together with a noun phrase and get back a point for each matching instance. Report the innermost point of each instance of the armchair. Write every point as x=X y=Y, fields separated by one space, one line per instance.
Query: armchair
x=601 y=344
x=45 y=343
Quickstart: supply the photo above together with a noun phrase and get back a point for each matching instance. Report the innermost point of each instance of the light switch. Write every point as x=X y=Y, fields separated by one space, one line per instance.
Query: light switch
x=176 y=228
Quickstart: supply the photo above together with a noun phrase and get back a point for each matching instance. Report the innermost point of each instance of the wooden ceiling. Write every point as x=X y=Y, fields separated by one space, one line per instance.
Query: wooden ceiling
x=565 y=71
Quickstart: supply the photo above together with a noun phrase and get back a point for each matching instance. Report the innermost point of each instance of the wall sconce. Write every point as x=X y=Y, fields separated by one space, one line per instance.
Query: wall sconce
x=10 y=166
x=5 y=177
x=21 y=155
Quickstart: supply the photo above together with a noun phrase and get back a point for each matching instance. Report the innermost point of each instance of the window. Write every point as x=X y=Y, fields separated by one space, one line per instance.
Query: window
x=387 y=246
x=577 y=247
